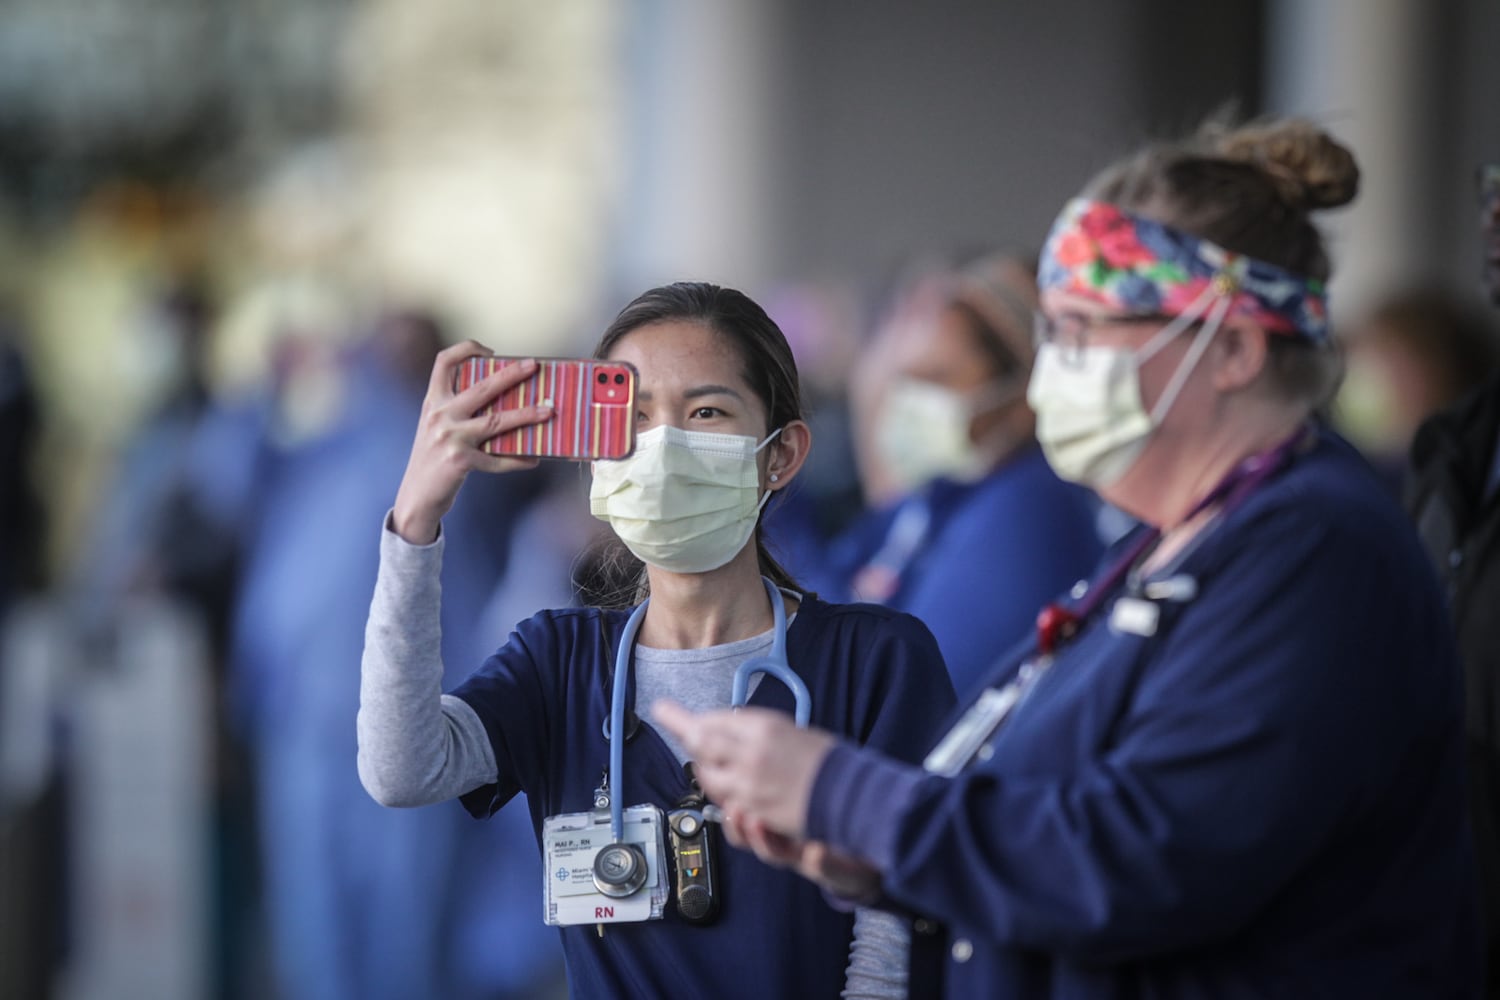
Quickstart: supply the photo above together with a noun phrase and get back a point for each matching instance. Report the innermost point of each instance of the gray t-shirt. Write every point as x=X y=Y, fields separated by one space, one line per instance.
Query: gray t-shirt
x=699 y=679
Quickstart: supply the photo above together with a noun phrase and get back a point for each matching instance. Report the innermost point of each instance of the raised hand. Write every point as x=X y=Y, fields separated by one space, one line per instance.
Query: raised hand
x=448 y=439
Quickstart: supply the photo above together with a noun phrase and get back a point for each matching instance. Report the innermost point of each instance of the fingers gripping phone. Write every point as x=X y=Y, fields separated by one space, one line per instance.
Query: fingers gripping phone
x=594 y=404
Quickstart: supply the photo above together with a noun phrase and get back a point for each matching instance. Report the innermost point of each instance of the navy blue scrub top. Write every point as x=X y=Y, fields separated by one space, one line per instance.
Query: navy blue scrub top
x=876 y=678
x=1264 y=798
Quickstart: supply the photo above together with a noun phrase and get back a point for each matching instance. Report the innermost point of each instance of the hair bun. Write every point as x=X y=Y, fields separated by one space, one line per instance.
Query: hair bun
x=1308 y=166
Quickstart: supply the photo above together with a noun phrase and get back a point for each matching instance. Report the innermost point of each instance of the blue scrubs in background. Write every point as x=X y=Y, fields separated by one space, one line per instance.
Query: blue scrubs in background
x=974 y=561
x=364 y=902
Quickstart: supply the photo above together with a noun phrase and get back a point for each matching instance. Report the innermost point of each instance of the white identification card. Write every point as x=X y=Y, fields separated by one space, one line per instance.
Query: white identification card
x=569 y=844
x=1133 y=616
x=976 y=725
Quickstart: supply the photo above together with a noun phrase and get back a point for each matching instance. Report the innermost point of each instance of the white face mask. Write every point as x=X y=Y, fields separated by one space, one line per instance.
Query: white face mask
x=922 y=430
x=684 y=501
x=1090 y=419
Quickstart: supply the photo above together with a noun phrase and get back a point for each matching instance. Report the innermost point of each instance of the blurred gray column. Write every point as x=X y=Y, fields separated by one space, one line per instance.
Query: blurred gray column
x=700 y=78
x=1367 y=70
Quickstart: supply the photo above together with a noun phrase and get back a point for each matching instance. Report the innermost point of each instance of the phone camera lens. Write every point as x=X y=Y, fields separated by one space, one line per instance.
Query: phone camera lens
x=619 y=379
x=603 y=378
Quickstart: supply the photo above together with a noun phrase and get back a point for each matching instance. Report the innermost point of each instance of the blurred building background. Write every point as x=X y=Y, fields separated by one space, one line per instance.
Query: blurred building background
x=222 y=223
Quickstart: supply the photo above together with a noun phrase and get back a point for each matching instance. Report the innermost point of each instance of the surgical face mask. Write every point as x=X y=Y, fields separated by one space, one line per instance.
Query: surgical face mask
x=1368 y=410
x=922 y=430
x=684 y=501
x=1090 y=419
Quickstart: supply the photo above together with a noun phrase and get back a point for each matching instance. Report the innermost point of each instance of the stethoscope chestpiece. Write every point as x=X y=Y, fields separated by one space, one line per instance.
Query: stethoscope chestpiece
x=620 y=870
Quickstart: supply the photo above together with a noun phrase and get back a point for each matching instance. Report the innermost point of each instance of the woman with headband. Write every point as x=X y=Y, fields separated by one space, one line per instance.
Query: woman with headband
x=1231 y=763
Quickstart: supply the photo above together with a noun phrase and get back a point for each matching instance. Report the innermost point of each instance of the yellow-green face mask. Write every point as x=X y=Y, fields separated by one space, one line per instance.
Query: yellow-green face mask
x=684 y=501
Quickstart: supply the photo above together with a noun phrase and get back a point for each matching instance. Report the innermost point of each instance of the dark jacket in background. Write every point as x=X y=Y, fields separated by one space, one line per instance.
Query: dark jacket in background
x=1460 y=527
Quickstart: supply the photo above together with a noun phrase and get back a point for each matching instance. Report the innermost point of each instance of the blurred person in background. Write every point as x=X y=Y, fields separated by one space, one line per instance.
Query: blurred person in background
x=1232 y=764
x=22 y=522
x=1410 y=355
x=981 y=531
x=719 y=434
x=363 y=902
x=145 y=534
x=556 y=553
x=822 y=321
x=31 y=925
x=148 y=537
x=1453 y=493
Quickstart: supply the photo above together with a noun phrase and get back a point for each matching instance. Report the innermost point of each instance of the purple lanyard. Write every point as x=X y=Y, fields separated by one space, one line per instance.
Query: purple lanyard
x=1056 y=624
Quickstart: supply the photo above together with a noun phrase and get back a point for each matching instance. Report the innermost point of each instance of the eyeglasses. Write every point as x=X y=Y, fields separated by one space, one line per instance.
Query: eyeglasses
x=1071 y=330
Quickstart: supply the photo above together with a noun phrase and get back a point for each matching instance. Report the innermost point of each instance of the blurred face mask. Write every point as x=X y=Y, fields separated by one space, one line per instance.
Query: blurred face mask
x=922 y=430
x=684 y=501
x=1090 y=419
x=1368 y=408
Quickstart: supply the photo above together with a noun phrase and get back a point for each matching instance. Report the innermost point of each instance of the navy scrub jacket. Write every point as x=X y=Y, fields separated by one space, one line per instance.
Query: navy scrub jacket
x=1265 y=798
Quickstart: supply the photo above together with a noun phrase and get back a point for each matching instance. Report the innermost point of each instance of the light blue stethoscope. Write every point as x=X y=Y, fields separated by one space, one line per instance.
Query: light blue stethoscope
x=774 y=664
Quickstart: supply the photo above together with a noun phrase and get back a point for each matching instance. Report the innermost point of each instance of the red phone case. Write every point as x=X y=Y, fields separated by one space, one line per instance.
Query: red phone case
x=594 y=404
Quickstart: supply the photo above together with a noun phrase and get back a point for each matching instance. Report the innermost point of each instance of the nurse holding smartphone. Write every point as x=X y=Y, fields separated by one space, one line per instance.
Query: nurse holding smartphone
x=718 y=432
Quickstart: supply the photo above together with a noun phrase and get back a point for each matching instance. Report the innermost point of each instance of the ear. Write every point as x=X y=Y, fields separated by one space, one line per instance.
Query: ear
x=1242 y=351
x=787 y=454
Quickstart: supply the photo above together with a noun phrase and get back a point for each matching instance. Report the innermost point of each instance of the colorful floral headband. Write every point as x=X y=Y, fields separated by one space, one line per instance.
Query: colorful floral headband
x=1139 y=266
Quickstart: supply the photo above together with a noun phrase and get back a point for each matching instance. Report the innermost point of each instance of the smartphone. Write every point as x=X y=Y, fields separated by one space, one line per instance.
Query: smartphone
x=594 y=404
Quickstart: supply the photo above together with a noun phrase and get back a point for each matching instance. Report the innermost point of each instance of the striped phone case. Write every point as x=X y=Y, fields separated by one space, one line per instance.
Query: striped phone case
x=594 y=404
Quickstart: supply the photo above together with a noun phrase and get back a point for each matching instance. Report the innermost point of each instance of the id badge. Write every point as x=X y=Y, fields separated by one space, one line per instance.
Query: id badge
x=972 y=730
x=569 y=843
x=1134 y=616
